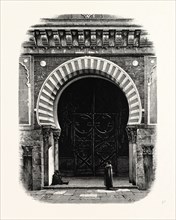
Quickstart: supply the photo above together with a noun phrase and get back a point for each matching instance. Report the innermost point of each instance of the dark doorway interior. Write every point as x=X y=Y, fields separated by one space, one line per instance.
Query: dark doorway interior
x=93 y=114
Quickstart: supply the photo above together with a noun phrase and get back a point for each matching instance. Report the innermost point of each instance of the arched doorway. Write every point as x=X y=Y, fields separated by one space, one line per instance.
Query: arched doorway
x=93 y=114
x=47 y=108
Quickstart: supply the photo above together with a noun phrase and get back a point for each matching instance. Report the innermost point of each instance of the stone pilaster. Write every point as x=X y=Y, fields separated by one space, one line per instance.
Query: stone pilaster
x=27 y=167
x=148 y=164
x=132 y=134
x=47 y=132
x=56 y=135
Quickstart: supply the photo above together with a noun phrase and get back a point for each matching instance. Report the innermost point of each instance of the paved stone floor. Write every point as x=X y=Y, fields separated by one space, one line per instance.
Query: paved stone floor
x=122 y=195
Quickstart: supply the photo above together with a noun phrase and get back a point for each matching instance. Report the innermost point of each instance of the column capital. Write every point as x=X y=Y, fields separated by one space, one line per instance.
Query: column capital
x=147 y=149
x=56 y=134
x=132 y=134
x=47 y=130
x=27 y=151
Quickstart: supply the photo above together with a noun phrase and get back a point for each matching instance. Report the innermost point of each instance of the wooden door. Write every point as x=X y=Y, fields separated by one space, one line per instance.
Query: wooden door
x=94 y=142
x=93 y=114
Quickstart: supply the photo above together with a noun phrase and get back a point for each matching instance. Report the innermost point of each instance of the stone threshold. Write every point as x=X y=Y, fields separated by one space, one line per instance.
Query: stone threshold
x=87 y=187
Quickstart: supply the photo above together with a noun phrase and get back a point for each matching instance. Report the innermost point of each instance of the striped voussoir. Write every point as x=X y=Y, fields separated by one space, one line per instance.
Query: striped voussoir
x=86 y=65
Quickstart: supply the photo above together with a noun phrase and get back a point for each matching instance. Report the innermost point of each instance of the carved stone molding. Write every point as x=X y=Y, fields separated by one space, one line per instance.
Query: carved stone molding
x=132 y=134
x=147 y=149
x=27 y=151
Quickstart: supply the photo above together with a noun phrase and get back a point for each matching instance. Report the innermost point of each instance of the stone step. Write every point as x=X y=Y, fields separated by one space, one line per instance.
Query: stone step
x=88 y=187
x=92 y=183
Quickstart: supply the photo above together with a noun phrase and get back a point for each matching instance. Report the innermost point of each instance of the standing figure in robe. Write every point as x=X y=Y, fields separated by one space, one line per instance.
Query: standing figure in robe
x=108 y=175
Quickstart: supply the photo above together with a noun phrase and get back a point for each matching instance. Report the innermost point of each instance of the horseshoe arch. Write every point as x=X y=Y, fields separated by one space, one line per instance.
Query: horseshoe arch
x=75 y=68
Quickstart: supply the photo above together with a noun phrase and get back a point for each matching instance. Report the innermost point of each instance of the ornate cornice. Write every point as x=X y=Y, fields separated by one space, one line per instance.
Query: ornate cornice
x=89 y=38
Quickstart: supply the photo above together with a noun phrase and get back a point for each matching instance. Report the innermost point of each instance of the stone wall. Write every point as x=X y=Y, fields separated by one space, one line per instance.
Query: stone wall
x=33 y=138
